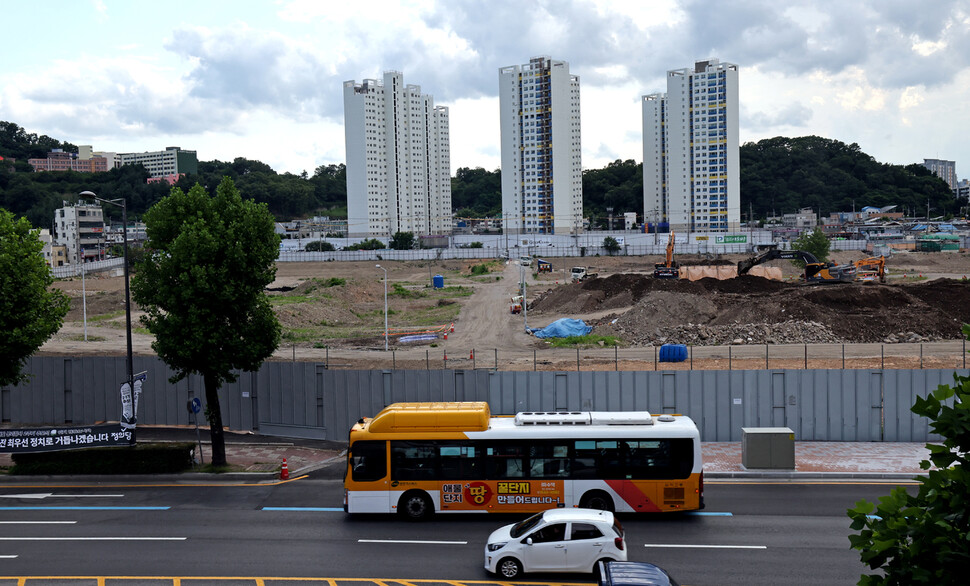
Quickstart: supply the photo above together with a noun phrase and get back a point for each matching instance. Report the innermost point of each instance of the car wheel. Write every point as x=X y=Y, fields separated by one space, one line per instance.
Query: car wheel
x=596 y=499
x=415 y=505
x=509 y=568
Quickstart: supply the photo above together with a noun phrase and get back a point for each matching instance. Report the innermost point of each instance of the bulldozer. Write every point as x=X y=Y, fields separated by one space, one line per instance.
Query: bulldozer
x=815 y=271
x=871 y=269
x=669 y=269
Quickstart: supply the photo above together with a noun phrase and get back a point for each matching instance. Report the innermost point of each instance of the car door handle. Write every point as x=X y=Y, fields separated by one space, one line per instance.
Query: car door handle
x=560 y=546
x=598 y=543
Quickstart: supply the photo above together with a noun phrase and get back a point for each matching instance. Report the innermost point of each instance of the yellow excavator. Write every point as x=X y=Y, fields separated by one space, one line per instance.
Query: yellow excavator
x=871 y=269
x=669 y=269
x=815 y=271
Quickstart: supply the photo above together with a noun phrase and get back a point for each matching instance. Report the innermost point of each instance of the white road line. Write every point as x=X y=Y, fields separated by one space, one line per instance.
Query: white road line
x=49 y=495
x=419 y=541
x=37 y=522
x=697 y=546
x=7 y=557
x=93 y=538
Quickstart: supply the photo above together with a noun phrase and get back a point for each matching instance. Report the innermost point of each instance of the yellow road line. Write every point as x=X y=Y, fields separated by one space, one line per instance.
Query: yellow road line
x=260 y=581
x=182 y=485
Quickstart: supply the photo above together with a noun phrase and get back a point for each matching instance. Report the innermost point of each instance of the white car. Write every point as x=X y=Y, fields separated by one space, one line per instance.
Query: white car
x=556 y=540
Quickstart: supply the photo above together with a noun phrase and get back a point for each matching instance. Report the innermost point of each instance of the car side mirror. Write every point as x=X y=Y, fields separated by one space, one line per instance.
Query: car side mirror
x=528 y=541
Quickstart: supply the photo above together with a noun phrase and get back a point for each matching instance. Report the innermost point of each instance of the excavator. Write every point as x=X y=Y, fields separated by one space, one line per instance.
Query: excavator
x=815 y=271
x=669 y=269
x=871 y=268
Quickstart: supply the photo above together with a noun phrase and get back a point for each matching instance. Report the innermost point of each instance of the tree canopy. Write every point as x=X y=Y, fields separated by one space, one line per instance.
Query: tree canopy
x=922 y=538
x=476 y=193
x=619 y=186
x=30 y=311
x=814 y=242
x=202 y=284
x=782 y=175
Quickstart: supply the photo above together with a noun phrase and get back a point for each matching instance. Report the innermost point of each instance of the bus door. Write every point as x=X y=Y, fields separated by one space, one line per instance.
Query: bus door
x=368 y=472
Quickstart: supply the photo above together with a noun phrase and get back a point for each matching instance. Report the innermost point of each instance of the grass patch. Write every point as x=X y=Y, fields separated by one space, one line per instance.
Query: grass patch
x=399 y=290
x=80 y=338
x=106 y=316
x=584 y=341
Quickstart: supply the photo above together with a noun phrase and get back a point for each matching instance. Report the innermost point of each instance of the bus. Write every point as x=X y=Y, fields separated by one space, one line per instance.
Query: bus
x=420 y=458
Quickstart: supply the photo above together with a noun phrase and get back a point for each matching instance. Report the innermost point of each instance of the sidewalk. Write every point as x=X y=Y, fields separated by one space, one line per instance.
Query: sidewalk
x=262 y=456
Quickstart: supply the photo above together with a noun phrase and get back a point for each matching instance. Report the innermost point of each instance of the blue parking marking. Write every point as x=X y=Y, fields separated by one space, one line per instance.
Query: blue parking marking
x=705 y=514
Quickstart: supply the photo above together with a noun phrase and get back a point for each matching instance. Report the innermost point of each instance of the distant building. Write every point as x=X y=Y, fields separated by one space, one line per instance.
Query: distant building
x=398 y=159
x=80 y=229
x=804 y=219
x=170 y=179
x=962 y=190
x=59 y=160
x=171 y=161
x=691 y=150
x=542 y=166
x=945 y=170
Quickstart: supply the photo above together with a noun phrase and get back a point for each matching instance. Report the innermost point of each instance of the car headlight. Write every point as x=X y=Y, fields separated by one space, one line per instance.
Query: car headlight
x=496 y=546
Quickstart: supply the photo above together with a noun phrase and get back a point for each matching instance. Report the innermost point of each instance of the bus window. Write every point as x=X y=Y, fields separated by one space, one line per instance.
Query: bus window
x=548 y=460
x=459 y=461
x=368 y=461
x=414 y=460
x=665 y=458
x=505 y=461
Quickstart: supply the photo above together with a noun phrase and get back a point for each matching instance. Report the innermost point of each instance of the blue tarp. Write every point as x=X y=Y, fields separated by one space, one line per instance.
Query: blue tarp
x=563 y=328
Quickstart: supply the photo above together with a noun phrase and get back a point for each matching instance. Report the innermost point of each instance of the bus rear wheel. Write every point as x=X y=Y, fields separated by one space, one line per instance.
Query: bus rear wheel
x=596 y=499
x=415 y=505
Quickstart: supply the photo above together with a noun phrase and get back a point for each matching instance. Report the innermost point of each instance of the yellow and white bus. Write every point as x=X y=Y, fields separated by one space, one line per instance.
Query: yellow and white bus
x=421 y=458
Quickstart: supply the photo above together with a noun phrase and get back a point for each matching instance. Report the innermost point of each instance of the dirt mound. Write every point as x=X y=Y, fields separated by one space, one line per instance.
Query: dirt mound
x=756 y=310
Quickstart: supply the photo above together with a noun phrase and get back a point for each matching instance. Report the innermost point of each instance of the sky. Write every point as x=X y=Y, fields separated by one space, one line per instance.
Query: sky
x=263 y=80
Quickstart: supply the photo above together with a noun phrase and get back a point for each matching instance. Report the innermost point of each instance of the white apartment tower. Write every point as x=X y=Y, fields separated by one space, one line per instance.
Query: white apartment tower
x=398 y=159
x=691 y=166
x=542 y=171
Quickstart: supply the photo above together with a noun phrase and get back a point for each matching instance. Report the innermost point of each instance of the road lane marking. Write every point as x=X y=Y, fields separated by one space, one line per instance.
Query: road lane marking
x=46 y=495
x=93 y=538
x=709 y=514
x=311 y=509
x=698 y=546
x=94 y=508
x=418 y=541
x=37 y=522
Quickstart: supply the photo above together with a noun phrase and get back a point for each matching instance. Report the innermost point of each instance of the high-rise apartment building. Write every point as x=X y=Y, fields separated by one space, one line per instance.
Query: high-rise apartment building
x=945 y=170
x=691 y=166
x=542 y=171
x=398 y=159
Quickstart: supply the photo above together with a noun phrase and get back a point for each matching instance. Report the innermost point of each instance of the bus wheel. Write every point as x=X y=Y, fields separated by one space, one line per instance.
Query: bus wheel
x=509 y=568
x=415 y=505
x=596 y=499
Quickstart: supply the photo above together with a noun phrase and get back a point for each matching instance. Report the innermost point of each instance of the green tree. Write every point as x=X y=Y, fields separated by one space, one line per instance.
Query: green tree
x=369 y=244
x=30 y=311
x=402 y=241
x=815 y=242
x=202 y=288
x=922 y=538
x=318 y=245
x=611 y=245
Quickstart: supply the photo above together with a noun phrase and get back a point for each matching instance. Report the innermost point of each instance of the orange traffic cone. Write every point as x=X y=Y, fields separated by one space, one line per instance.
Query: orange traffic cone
x=452 y=328
x=284 y=471
x=446 y=335
x=471 y=355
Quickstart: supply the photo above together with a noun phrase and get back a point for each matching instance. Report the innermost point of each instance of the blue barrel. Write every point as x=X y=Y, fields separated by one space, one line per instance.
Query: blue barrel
x=438 y=282
x=673 y=353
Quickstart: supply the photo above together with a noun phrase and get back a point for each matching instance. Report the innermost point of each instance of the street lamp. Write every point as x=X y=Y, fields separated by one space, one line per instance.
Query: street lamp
x=385 y=305
x=124 y=230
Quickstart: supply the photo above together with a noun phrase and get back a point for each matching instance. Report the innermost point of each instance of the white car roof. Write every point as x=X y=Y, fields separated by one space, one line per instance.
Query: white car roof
x=564 y=515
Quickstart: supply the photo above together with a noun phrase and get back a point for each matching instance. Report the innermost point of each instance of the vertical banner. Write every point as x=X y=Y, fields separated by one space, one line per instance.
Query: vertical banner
x=129 y=401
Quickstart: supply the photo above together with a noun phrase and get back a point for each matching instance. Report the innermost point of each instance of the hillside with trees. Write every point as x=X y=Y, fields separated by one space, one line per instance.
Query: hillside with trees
x=778 y=175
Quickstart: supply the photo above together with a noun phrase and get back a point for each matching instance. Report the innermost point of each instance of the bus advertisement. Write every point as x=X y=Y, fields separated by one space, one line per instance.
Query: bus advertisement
x=420 y=458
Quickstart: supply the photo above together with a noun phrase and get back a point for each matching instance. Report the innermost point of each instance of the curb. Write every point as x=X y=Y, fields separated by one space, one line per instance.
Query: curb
x=791 y=475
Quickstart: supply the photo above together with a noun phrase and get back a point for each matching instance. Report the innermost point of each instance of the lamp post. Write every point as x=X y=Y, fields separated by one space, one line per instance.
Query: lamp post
x=124 y=230
x=385 y=305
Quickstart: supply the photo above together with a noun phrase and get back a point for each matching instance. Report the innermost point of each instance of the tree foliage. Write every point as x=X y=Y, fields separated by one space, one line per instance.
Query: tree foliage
x=814 y=242
x=611 y=245
x=318 y=245
x=476 y=193
x=782 y=175
x=369 y=244
x=202 y=288
x=619 y=185
x=402 y=241
x=923 y=538
x=30 y=311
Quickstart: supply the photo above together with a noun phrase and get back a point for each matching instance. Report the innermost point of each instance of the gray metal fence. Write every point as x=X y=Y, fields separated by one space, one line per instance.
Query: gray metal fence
x=305 y=399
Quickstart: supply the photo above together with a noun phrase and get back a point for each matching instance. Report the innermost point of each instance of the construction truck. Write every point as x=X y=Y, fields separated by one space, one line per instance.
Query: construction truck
x=669 y=269
x=815 y=271
x=515 y=306
x=581 y=274
x=871 y=269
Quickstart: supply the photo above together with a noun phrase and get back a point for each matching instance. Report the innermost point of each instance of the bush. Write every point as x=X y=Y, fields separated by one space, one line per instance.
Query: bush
x=480 y=269
x=318 y=245
x=139 y=459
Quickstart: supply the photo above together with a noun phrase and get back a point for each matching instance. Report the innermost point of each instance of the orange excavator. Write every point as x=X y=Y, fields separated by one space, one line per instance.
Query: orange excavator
x=815 y=271
x=669 y=269
x=871 y=269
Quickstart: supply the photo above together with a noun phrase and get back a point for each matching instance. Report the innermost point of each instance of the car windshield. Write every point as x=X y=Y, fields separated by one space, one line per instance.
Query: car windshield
x=523 y=527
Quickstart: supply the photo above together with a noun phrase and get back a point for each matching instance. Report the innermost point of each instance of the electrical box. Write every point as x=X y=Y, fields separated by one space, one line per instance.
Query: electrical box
x=768 y=447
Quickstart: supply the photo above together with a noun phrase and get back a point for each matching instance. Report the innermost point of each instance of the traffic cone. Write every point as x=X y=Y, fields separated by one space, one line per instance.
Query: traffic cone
x=471 y=355
x=452 y=328
x=446 y=335
x=284 y=471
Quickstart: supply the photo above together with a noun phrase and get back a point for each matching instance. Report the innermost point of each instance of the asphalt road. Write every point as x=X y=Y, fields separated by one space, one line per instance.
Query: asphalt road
x=749 y=534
